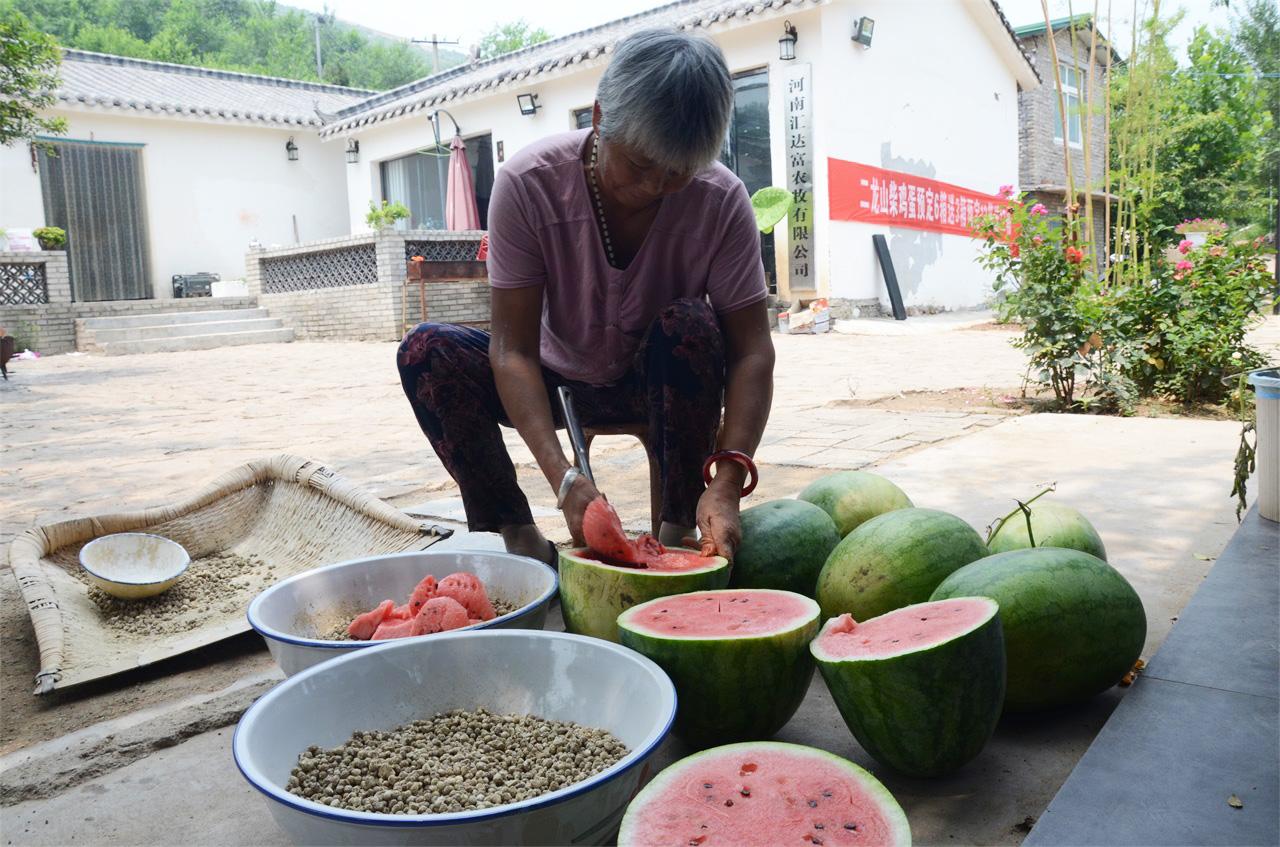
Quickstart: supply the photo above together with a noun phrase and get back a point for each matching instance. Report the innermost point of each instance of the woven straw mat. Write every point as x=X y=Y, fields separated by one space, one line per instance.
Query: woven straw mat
x=289 y=514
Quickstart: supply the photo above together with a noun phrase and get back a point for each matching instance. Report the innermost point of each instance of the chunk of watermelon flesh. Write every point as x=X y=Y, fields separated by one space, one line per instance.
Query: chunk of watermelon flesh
x=902 y=630
x=468 y=591
x=364 y=626
x=400 y=613
x=393 y=629
x=438 y=615
x=602 y=529
x=761 y=797
x=422 y=592
x=728 y=613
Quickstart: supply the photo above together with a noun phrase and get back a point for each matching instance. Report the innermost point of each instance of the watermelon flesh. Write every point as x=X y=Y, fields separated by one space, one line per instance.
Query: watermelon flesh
x=900 y=631
x=602 y=529
x=721 y=614
x=764 y=793
x=456 y=601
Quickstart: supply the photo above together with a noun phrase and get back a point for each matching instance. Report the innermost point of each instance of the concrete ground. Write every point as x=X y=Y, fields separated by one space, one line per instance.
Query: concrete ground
x=92 y=434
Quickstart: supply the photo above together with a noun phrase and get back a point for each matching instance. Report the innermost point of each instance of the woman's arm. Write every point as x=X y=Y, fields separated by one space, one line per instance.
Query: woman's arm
x=749 y=360
x=517 y=370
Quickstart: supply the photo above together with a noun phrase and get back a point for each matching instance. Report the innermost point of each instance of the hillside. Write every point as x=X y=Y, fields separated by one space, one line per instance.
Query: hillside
x=252 y=36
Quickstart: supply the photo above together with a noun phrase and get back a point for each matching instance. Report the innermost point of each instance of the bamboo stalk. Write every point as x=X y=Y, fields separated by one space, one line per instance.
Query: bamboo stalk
x=1086 y=129
x=1062 y=104
x=1106 y=159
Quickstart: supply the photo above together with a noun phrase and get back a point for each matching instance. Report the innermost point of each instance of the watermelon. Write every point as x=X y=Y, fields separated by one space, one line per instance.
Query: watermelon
x=784 y=545
x=593 y=593
x=739 y=658
x=1054 y=525
x=921 y=687
x=853 y=497
x=894 y=560
x=1073 y=626
x=762 y=794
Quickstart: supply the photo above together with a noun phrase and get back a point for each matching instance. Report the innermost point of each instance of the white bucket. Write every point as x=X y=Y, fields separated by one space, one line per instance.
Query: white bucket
x=1266 y=385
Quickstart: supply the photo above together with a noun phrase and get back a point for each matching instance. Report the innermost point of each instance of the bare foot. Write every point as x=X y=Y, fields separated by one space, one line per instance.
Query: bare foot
x=528 y=540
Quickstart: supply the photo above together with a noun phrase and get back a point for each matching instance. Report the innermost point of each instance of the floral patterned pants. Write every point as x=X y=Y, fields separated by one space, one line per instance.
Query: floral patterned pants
x=676 y=386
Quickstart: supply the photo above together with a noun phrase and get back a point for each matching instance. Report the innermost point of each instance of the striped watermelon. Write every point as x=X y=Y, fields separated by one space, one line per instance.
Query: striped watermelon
x=739 y=658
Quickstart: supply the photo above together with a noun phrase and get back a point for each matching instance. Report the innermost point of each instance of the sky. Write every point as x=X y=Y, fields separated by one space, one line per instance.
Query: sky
x=466 y=22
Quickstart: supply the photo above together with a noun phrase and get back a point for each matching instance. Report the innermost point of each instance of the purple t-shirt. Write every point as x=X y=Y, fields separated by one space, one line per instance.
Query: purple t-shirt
x=542 y=231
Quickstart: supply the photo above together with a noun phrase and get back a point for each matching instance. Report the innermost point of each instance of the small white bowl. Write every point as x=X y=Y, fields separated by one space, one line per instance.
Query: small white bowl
x=291 y=614
x=132 y=565
x=552 y=675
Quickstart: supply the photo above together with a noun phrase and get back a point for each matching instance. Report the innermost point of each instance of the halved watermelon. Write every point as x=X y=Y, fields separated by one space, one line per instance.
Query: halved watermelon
x=921 y=687
x=593 y=593
x=762 y=794
x=739 y=658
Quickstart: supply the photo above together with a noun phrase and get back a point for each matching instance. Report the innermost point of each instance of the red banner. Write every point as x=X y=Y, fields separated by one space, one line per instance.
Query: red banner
x=876 y=196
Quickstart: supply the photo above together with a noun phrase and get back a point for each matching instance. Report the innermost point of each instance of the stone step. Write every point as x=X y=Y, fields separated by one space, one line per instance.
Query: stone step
x=170 y=318
x=142 y=333
x=197 y=342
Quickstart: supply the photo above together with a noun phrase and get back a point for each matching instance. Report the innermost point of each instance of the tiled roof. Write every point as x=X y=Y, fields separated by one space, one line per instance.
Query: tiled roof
x=97 y=80
x=548 y=57
x=1058 y=23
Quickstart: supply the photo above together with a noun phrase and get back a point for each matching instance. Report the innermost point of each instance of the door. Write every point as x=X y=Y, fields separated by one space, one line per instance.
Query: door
x=94 y=191
x=421 y=180
x=746 y=147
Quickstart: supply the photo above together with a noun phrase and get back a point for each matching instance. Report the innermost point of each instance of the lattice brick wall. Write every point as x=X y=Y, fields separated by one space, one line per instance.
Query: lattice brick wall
x=23 y=284
x=353 y=265
x=442 y=250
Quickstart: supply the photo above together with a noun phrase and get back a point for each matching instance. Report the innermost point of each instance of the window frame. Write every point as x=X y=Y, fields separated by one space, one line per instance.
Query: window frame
x=1068 y=92
x=573 y=116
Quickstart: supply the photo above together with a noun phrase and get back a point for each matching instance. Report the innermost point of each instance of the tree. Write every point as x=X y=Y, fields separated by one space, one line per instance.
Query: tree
x=506 y=38
x=29 y=62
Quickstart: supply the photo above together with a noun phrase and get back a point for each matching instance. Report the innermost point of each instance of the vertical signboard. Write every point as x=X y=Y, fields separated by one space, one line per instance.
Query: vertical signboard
x=798 y=112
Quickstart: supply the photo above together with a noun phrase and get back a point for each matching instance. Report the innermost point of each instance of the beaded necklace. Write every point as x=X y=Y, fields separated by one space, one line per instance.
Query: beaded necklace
x=595 y=193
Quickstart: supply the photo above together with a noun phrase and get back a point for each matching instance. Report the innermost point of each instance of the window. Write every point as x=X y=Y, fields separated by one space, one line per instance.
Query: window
x=421 y=180
x=582 y=117
x=1072 y=84
x=746 y=147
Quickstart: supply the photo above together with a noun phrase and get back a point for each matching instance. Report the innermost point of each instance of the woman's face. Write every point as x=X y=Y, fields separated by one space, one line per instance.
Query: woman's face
x=632 y=179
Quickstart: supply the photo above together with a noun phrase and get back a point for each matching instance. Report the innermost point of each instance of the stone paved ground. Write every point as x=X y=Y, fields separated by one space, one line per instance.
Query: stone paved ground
x=89 y=434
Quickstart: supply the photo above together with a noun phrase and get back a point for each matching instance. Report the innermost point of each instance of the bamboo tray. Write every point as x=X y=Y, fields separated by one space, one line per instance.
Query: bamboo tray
x=288 y=512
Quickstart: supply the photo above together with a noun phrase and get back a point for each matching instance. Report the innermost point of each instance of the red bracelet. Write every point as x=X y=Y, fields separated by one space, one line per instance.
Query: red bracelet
x=753 y=475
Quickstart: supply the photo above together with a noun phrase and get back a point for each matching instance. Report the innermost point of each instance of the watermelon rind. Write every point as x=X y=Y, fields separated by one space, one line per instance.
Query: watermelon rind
x=854 y=497
x=628 y=835
x=925 y=712
x=593 y=594
x=784 y=545
x=894 y=560
x=1054 y=525
x=731 y=687
x=1073 y=625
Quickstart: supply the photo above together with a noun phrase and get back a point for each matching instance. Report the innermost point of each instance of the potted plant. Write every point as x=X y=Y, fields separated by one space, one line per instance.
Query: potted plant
x=51 y=237
x=1198 y=230
x=385 y=216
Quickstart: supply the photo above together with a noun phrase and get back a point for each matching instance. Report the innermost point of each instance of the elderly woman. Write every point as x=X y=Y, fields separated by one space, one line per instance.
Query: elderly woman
x=625 y=263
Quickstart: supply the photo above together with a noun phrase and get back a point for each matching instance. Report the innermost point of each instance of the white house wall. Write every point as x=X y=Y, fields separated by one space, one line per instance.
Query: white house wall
x=929 y=97
x=210 y=189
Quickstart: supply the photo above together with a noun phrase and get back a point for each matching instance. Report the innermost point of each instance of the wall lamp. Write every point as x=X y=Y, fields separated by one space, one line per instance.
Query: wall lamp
x=291 y=150
x=787 y=43
x=863 y=30
x=353 y=151
x=529 y=104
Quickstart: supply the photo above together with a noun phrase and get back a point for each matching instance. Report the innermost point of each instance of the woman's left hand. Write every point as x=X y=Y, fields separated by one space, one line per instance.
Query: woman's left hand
x=718 y=521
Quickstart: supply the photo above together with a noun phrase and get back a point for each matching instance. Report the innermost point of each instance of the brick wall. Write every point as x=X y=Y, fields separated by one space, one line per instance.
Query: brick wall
x=1041 y=160
x=373 y=311
x=50 y=328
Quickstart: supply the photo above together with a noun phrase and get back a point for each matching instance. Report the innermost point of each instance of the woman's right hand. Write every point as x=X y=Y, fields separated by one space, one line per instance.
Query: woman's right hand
x=575 y=506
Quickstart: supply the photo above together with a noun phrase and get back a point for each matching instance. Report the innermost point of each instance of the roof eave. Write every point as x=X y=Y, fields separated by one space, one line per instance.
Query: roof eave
x=176 y=112
x=1000 y=33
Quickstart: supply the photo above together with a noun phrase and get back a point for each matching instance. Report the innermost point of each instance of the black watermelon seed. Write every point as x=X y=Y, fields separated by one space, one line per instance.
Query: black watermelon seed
x=706 y=785
x=813 y=804
x=852 y=827
x=818 y=826
x=826 y=794
x=728 y=802
x=745 y=792
x=816 y=840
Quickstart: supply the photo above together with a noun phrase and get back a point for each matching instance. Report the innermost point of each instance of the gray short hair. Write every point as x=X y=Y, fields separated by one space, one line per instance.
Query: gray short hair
x=667 y=94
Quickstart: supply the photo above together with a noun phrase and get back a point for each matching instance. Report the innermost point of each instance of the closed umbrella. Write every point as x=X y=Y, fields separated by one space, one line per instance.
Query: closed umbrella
x=460 y=210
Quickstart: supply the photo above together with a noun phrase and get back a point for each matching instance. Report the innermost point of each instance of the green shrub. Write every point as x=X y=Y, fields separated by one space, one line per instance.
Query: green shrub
x=51 y=237
x=386 y=215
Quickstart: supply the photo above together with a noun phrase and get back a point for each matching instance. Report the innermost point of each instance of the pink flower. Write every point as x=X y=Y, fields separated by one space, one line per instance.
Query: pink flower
x=1006 y=191
x=1217 y=251
x=1075 y=255
x=1184 y=265
x=1186 y=245
x=1178 y=274
x=1037 y=240
x=1039 y=209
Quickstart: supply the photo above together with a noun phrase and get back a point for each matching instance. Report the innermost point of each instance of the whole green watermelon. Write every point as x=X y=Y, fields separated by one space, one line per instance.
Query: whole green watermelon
x=784 y=545
x=1073 y=625
x=854 y=497
x=894 y=560
x=1053 y=525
